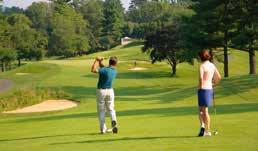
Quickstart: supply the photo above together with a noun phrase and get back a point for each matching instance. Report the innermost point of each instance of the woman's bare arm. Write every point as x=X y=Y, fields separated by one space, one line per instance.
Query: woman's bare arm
x=217 y=77
x=200 y=77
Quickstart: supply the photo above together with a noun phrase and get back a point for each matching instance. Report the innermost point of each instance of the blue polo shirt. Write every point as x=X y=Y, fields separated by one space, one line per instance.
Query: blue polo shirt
x=106 y=76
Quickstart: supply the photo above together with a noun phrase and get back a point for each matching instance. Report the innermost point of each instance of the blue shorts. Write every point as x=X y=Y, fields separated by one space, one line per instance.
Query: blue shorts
x=205 y=97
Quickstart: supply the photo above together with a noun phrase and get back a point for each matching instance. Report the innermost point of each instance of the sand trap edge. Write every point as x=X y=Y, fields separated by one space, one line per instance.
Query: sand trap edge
x=21 y=74
x=137 y=69
x=46 y=106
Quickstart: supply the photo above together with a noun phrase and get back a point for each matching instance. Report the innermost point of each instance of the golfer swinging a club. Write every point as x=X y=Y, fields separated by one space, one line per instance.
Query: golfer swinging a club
x=105 y=92
x=208 y=75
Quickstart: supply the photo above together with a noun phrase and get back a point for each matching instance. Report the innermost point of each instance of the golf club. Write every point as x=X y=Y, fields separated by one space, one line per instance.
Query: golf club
x=215 y=132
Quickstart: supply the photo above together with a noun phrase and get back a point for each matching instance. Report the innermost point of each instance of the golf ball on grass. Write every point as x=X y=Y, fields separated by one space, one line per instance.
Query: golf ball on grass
x=216 y=133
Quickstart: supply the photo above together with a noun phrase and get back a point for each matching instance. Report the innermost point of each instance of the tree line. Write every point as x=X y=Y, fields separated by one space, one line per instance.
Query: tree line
x=173 y=30
x=59 y=28
x=214 y=25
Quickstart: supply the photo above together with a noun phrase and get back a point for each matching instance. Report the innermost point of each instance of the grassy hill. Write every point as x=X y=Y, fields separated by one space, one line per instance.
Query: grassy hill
x=155 y=111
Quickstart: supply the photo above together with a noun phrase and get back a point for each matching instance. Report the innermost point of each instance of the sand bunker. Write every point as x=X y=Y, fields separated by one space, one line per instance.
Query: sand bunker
x=22 y=73
x=137 y=69
x=49 y=105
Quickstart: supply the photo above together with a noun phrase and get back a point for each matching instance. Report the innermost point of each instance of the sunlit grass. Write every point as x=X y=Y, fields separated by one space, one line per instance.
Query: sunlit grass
x=155 y=111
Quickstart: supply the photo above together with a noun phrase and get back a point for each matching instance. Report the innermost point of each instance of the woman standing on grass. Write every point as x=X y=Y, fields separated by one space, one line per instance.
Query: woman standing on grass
x=208 y=76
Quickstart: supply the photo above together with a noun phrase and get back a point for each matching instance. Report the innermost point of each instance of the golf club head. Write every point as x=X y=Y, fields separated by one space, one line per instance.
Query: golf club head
x=216 y=132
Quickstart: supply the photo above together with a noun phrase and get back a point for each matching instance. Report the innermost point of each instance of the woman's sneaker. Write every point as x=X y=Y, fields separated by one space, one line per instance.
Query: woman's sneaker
x=201 y=131
x=207 y=134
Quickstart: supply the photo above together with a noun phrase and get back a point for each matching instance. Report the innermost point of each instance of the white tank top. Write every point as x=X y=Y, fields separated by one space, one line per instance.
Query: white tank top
x=207 y=70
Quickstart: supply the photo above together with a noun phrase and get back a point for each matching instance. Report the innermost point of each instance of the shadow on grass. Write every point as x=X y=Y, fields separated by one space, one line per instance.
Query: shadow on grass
x=141 y=93
x=171 y=111
x=228 y=87
x=139 y=75
x=80 y=92
x=122 y=139
x=236 y=85
x=144 y=75
x=46 y=136
x=90 y=141
x=162 y=95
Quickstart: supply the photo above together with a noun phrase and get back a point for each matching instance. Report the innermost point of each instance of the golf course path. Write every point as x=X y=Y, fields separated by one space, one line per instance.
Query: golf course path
x=5 y=85
x=49 y=105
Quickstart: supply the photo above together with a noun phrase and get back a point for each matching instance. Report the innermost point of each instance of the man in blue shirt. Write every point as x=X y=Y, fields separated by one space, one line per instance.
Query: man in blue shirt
x=105 y=92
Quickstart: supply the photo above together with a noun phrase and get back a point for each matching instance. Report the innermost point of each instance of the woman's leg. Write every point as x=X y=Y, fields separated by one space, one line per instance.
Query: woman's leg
x=206 y=118
x=201 y=117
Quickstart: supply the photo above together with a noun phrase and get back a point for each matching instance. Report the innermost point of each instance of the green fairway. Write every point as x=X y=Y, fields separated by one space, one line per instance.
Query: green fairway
x=156 y=112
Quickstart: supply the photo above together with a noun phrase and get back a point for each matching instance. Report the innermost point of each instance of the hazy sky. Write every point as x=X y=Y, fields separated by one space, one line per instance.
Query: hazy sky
x=126 y=3
x=19 y=3
x=26 y=3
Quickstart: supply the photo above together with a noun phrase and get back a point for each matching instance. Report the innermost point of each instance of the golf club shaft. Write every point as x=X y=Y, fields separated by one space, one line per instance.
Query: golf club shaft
x=215 y=113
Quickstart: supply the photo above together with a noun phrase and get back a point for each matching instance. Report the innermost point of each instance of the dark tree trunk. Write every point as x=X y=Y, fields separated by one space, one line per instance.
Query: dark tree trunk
x=252 y=61
x=10 y=66
x=3 y=66
x=174 y=68
x=7 y=66
x=212 y=56
x=226 y=53
x=174 y=63
x=19 y=62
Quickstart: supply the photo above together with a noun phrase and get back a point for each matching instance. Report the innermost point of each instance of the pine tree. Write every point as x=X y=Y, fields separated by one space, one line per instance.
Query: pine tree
x=215 y=22
x=247 y=29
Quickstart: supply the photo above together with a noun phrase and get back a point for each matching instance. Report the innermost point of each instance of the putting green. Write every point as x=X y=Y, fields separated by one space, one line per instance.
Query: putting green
x=156 y=112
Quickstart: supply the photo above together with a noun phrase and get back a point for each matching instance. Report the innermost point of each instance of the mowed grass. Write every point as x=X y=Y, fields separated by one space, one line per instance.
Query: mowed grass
x=156 y=112
x=29 y=75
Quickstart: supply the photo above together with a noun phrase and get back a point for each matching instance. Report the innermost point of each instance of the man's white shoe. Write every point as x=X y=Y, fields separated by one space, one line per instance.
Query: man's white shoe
x=207 y=134
x=109 y=130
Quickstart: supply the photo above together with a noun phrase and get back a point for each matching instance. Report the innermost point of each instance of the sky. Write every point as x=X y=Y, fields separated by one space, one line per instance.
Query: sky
x=25 y=3
x=19 y=3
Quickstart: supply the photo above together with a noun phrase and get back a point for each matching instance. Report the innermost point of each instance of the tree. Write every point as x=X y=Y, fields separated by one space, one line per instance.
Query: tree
x=214 y=23
x=7 y=55
x=38 y=46
x=20 y=33
x=13 y=10
x=247 y=29
x=39 y=14
x=153 y=15
x=28 y=42
x=4 y=32
x=61 y=1
x=166 y=44
x=68 y=31
x=128 y=29
x=92 y=11
x=107 y=42
x=150 y=12
x=113 y=19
